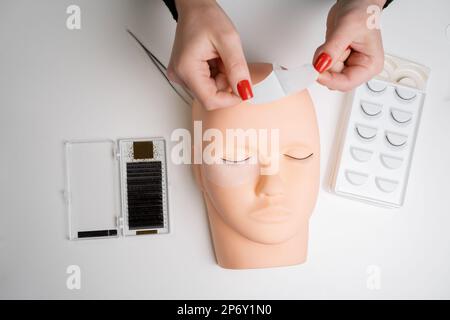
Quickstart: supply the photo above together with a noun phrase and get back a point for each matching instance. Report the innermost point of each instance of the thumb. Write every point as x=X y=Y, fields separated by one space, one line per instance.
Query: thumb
x=333 y=48
x=236 y=68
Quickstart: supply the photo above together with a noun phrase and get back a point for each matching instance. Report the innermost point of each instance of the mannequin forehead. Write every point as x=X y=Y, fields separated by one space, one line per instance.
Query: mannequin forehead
x=294 y=116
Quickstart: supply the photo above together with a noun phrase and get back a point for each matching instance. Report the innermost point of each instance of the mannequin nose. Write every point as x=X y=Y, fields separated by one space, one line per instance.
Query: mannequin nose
x=270 y=185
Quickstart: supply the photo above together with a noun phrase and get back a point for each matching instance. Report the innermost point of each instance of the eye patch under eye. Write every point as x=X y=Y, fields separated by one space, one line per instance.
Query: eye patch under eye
x=299 y=158
x=230 y=174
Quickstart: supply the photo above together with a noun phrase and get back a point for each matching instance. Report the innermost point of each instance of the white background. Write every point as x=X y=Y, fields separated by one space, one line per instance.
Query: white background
x=57 y=84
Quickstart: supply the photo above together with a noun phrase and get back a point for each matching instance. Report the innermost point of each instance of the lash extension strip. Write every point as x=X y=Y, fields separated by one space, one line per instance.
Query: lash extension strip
x=144 y=195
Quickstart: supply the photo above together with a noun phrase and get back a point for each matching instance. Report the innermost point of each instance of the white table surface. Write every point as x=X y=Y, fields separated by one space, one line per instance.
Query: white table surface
x=57 y=84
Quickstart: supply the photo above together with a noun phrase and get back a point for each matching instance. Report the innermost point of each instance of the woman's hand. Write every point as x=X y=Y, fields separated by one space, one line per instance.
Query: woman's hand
x=353 y=51
x=207 y=55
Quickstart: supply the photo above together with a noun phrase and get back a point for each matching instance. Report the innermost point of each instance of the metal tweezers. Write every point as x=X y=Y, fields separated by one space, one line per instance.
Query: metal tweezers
x=183 y=93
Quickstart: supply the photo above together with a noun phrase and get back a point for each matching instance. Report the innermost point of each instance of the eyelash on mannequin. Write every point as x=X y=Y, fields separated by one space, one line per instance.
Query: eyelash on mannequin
x=231 y=161
x=286 y=155
x=294 y=158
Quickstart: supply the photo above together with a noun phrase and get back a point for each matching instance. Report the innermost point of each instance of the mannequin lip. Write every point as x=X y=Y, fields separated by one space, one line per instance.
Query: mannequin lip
x=272 y=214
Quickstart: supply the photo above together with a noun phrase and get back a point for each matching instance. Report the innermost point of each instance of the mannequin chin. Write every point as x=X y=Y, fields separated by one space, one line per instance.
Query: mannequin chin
x=261 y=220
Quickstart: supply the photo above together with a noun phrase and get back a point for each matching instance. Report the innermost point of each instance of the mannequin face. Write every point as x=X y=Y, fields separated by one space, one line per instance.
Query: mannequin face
x=268 y=209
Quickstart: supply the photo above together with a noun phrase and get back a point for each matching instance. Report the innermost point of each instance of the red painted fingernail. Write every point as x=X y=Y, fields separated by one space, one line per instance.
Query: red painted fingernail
x=244 y=89
x=323 y=62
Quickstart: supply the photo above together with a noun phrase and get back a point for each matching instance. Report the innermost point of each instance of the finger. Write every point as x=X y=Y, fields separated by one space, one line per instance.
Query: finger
x=358 y=68
x=334 y=47
x=222 y=83
x=230 y=51
x=198 y=78
x=172 y=76
x=346 y=80
x=350 y=77
x=339 y=65
x=374 y=63
x=221 y=77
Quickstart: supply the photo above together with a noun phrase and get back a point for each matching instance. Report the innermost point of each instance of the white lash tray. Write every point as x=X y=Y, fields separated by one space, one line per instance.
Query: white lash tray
x=378 y=138
x=116 y=188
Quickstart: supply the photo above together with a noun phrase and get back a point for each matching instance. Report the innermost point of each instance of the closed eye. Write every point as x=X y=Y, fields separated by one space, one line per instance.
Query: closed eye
x=234 y=161
x=295 y=158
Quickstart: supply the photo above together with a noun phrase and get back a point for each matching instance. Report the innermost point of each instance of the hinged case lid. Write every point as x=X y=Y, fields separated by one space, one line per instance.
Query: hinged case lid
x=92 y=188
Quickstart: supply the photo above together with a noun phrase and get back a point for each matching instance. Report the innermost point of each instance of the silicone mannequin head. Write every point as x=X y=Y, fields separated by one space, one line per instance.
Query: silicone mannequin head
x=261 y=220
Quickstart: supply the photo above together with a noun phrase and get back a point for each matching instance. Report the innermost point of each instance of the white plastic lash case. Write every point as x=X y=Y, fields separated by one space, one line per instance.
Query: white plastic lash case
x=116 y=188
x=378 y=137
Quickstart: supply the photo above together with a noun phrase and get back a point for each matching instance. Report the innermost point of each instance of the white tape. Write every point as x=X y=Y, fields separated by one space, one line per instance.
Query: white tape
x=282 y=82
x=267 y=90
x=296 y=79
